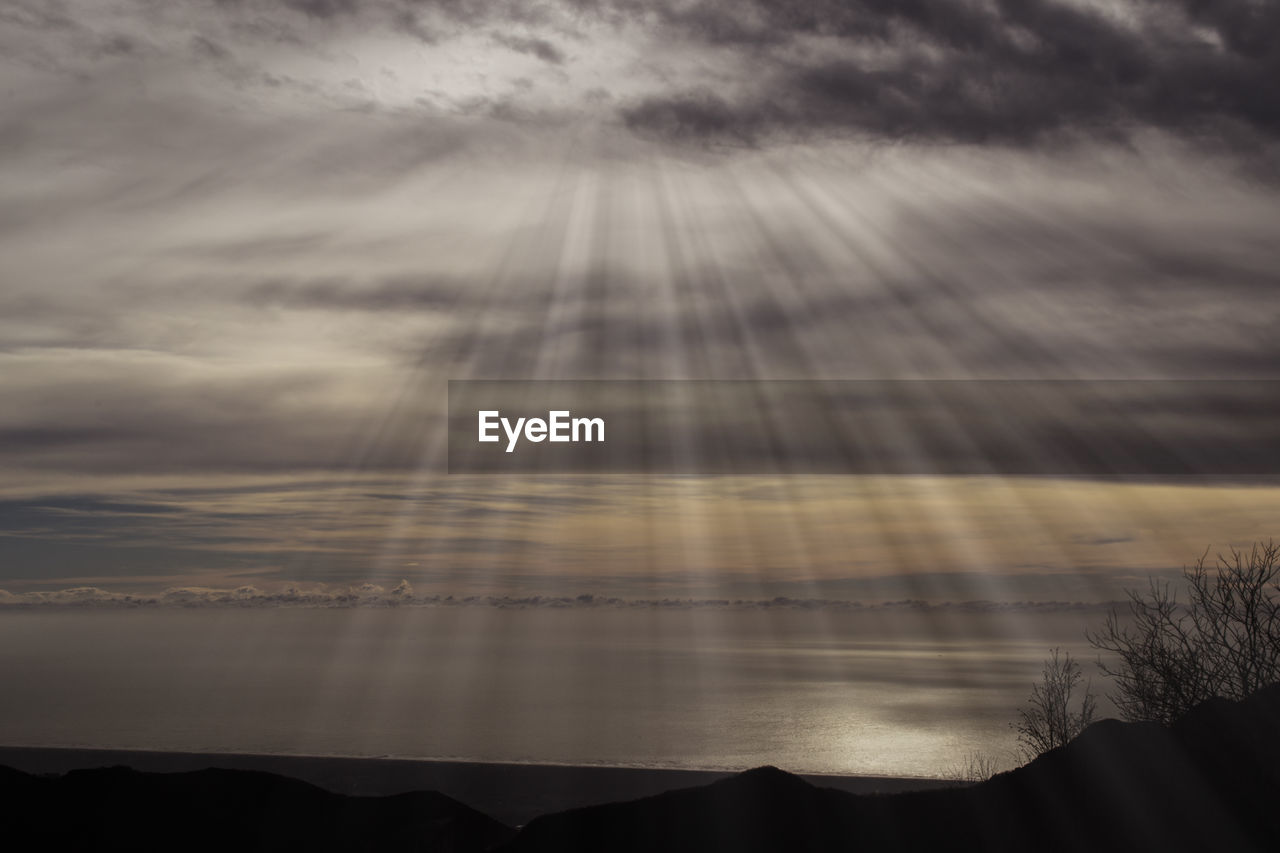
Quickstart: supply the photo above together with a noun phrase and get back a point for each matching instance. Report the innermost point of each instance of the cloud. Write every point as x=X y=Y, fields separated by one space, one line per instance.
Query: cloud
x=541 y=48
x=77 y=514
x=1017 y=73
x=1026 y=73
x=395 y=293
x=700 y=115
x=188 y=420
x=83 y=596
x=376 y=596
x=210 y=49
x=323 y=8
x=207 y=355
x=1104 y=540
x=225 y=264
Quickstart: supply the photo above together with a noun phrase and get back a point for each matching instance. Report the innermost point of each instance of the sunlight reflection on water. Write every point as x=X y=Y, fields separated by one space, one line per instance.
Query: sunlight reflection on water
x=870 y=692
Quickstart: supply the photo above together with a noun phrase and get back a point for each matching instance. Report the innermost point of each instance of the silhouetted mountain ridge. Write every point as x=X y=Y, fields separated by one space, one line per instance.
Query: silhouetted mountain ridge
x=1209 y=782
x=116 y=808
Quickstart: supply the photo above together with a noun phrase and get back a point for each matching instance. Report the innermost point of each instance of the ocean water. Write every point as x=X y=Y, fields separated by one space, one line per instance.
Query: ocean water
x=894 y=691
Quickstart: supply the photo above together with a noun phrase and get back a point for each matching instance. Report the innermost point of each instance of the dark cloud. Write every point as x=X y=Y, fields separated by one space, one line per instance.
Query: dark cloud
x=407 y=21
x=392 y=294
x=701 y=115
x=209 y=48
x=541 y=48
x=118 y=45
x=1011 y=72
x=323 y=8
x=428 y=20
x=84 y=505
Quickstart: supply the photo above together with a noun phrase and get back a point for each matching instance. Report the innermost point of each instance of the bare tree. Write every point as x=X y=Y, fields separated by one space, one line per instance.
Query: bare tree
x=1048 y=721
x=1225 y=641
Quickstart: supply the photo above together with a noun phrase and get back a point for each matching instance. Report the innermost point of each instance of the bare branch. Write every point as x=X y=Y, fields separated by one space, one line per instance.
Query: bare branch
x=1048 y=721
x=1225 y=641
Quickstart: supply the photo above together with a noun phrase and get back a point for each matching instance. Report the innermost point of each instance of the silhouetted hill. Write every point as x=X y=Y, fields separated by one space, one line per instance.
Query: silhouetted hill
x=1211 y=782
x=229 y=810
x=513 y=794
x=761 y=809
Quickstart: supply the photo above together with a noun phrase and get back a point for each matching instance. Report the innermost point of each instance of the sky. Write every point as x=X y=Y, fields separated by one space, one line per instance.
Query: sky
x=247 y=243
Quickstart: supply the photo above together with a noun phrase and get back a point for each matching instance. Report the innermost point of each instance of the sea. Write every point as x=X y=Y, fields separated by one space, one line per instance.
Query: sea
x=892 y=690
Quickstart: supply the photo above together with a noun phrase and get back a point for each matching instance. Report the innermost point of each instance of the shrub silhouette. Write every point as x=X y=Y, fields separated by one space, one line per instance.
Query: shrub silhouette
x=976 y=767
x=1047 y=721
x=1225 y=641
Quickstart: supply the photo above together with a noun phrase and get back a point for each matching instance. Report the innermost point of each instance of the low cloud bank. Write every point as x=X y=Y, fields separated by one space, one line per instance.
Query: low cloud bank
x=402 y=595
